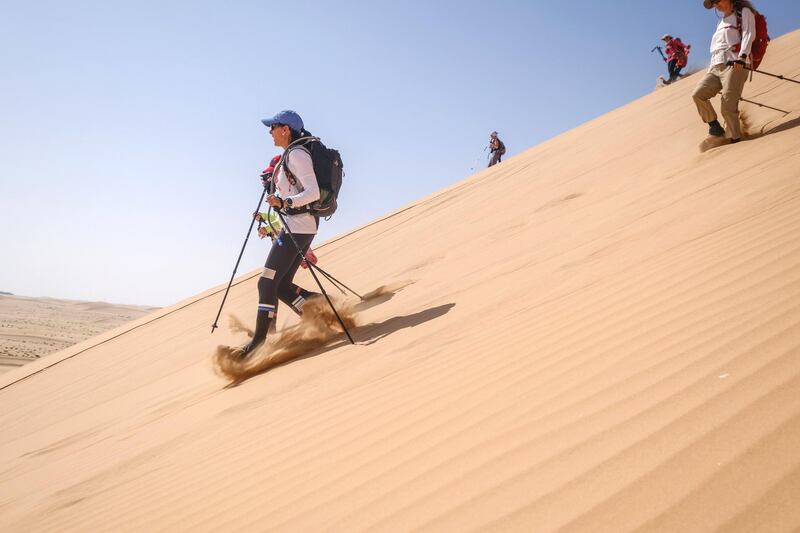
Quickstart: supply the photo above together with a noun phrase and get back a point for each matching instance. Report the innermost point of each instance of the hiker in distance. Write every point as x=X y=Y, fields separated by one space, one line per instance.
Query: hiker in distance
x=677 y=56
x=496 y=148
x=730 y=53
x=291 y=191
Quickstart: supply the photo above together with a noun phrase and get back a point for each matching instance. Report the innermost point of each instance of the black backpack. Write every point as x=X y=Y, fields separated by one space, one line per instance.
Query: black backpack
x=328 y=169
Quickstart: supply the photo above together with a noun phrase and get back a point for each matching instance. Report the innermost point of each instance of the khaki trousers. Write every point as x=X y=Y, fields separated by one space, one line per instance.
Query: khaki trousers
x=731 y=82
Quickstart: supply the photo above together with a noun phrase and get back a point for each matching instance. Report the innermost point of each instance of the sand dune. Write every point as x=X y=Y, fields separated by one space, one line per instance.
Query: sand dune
x=617 y=350
x=31 y=328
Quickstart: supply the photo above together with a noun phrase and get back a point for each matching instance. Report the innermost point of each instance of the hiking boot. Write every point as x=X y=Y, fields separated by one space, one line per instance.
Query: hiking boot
x=715 y=129
x=734 y=141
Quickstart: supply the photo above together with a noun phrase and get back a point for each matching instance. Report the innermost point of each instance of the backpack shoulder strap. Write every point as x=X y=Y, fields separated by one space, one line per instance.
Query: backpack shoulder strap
x=284 y=162
x=739 y=25
x=293 y=148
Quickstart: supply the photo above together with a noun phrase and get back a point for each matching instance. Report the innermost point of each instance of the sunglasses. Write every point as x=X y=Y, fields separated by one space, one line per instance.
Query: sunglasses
x=272 y=128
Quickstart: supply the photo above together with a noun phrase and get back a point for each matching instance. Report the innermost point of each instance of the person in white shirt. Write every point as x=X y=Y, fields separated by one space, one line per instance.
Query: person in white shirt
x=295 y=186
x=730 y=53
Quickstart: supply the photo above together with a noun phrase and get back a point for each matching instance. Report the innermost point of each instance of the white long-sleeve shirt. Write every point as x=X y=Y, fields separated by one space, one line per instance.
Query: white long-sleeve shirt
x=727 y=37
x=303 y=191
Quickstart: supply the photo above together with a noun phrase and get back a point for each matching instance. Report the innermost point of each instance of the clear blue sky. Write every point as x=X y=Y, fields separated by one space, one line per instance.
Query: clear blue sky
x=130 y=135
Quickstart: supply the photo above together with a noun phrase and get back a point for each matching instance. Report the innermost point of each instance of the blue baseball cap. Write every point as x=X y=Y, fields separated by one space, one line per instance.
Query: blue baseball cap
x=287 y=117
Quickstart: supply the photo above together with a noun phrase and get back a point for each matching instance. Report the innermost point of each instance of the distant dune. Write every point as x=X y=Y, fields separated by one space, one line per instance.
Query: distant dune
x=601 y=334
x=34 y=327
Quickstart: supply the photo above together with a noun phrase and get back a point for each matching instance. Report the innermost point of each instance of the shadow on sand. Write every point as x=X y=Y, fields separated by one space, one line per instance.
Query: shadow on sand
x=789 y=124
x=365 y=335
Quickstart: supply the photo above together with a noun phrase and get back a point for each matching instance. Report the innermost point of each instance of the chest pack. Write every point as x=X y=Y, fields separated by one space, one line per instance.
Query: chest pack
x=760 y=41
x=329 y=171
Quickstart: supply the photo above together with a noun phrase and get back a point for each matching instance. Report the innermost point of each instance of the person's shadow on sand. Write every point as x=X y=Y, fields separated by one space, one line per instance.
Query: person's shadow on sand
x=365 y=335
x=371 y=333
x=795 y=122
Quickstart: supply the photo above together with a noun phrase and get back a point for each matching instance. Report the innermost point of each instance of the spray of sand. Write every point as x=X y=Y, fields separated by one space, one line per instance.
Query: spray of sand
x=746 y=122
x=661 y=82
x=711 y=142
x=385 y=290
x=318 y=325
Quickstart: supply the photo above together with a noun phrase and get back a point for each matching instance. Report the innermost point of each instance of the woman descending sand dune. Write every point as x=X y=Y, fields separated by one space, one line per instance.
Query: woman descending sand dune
x=295 y=187
x=677 y=56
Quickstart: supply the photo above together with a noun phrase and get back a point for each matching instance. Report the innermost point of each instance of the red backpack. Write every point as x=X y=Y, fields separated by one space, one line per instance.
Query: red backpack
x=761 y=40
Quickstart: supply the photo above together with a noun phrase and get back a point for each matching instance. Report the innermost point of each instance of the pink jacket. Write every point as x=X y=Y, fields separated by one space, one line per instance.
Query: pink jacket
x=678 y=51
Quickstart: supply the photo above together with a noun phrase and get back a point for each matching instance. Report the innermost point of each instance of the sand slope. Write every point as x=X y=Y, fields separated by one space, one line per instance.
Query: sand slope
x=617 y=350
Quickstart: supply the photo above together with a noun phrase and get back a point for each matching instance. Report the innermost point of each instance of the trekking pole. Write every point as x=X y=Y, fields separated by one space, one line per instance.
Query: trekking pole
x=779 y=76
x=333 y=283
x=764 y=105
x=475 y=164
x=336 y=282
x=659 y=51
x=311 y=268
x=236 y=267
